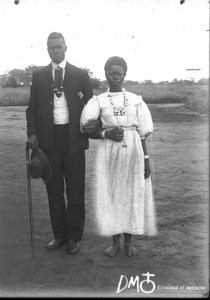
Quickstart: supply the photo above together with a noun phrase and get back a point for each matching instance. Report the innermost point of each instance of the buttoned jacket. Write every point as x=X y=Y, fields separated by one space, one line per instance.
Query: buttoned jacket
x=39 y=114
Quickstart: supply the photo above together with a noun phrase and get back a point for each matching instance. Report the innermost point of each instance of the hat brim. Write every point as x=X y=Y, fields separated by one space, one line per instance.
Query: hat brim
x=48 y=173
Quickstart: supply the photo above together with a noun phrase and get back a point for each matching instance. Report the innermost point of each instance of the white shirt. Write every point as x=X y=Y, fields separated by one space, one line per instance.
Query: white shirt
x=60 y=109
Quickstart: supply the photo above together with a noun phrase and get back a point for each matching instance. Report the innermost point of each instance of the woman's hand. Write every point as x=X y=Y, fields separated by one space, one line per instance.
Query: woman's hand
x=115 y=134
x=146 y=168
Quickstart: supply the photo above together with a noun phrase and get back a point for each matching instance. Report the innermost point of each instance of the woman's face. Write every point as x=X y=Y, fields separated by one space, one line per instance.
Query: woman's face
x=115 y=76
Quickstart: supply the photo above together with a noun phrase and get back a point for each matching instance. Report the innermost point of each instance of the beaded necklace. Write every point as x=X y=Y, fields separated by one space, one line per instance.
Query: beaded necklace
x=119 y=110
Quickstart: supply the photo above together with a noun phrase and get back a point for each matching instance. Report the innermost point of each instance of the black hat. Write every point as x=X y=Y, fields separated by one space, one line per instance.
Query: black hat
x=40 y=166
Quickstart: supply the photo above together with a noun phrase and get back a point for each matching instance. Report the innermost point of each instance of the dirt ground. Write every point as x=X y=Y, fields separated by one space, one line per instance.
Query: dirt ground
x=177 y=258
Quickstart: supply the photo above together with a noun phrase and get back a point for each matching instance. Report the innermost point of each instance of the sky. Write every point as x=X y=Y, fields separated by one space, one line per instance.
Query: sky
x=159 y=39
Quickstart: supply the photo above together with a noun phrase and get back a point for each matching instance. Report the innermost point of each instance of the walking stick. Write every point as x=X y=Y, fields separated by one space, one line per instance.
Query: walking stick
x=30 y=199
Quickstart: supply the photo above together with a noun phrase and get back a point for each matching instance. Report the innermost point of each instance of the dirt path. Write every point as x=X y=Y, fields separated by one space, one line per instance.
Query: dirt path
x=177 y=257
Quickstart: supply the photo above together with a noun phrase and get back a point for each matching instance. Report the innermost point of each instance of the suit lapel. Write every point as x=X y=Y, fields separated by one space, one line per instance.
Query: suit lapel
x=48 y=71
x=69 y=85
x=49 y=79
x=69 y=71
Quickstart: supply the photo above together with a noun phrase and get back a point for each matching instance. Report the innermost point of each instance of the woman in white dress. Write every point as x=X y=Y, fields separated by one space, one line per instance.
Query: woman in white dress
x=123 y=189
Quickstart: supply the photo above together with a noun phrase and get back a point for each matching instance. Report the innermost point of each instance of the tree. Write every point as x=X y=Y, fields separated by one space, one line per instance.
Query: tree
x=23 y=77
x=174 y=81
x=203 y=81
x=11 y=82
x=148 y=81
x=94 y=82
x=18 y=77
x=28 y=74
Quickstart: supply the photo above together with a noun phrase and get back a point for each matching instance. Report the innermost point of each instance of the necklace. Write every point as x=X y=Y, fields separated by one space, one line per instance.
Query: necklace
x=119 y=110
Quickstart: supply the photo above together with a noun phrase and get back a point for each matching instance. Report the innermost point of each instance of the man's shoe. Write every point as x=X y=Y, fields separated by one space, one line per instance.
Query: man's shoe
x=54 y=244
x=72 y=247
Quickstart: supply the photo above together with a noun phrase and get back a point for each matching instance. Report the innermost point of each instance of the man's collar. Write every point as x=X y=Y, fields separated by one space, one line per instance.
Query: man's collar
x=61 y=64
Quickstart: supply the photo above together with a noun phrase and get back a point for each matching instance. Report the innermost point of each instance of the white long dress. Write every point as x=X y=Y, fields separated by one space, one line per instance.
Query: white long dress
x=123 y=197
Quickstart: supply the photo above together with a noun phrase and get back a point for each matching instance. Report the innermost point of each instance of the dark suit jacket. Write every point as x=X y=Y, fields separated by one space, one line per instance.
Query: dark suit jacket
x=39 y=113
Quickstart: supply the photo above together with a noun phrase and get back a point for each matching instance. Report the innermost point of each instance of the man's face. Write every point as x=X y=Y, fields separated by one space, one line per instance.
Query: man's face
x=56 y=49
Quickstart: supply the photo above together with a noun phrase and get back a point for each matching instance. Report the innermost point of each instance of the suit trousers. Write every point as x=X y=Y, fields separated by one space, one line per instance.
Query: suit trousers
x=67 y=216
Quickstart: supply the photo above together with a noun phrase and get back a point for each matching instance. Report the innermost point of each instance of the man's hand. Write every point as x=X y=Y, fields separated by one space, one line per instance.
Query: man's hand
x=92 y=126
x=116 y=134
x=33 y=141
x=146 y=168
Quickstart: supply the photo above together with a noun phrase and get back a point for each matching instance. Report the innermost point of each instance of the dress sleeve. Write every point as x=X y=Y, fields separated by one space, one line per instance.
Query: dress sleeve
x=145 y=123
x=91 y=111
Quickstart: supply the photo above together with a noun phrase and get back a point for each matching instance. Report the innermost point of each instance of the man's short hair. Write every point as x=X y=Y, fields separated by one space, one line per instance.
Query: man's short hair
x=54 y=36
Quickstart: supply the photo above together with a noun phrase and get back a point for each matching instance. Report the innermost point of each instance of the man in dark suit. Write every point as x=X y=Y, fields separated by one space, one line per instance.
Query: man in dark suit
x=58 y=94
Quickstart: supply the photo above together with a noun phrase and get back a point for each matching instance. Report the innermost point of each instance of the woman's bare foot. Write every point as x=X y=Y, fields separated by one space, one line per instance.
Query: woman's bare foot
x=112 y=250
x=130 y=250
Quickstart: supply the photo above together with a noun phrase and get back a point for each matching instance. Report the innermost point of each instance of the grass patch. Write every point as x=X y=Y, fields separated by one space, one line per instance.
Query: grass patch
x=193 y=96
x=199 y=101
x=14 y=96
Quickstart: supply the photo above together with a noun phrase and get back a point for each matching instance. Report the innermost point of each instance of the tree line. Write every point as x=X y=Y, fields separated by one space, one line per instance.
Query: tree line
x=23 y=77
